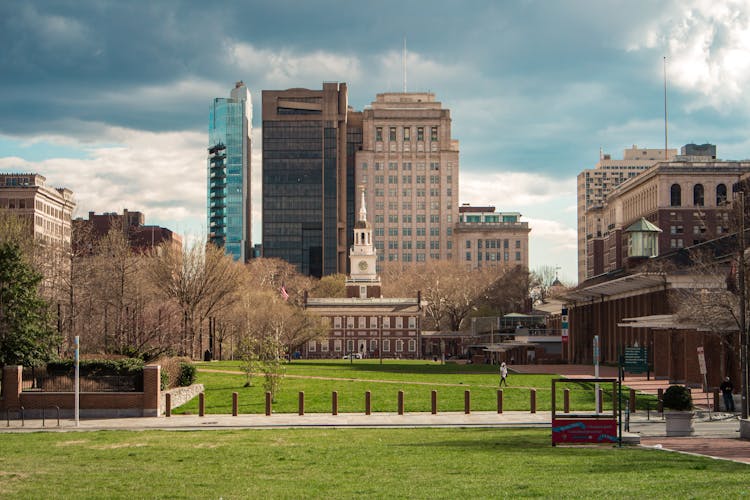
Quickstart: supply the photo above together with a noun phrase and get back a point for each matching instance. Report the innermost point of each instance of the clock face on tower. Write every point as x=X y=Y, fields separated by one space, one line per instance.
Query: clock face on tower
x=362 y=265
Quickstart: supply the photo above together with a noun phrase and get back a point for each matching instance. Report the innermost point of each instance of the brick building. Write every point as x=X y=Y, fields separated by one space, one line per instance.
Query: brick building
x=365 y=323
x=142 y=237
x=486 y=238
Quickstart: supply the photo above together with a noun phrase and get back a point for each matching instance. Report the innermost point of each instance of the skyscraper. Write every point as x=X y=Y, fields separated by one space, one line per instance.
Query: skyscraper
x=229 y=148
x=409 y=166
x=307 y=178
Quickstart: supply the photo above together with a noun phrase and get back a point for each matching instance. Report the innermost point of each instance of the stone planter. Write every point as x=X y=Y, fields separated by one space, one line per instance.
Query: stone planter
x=679 y=423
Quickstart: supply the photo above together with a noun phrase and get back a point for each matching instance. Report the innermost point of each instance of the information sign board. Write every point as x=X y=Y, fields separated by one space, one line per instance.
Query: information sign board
x=584 y=430
x=636 y=359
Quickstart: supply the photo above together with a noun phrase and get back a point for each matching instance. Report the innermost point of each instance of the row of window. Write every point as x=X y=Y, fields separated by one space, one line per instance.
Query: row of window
x=493 y=243
x=406 y=134
x=418 y=257
x=420 y=204
x=493 y=256
x=312 y=345
x=406 y=167
x=385 y=321
x=675 y=195
x=406 y=179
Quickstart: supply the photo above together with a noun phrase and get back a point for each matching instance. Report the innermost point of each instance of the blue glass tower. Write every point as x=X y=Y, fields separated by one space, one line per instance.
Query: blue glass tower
x=228 y=186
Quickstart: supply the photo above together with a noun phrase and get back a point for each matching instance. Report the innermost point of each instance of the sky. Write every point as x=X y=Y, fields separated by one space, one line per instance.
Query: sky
x=110 y=99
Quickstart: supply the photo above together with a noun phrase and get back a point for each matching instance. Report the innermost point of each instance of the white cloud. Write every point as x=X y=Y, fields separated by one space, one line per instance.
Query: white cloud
x=707 y=46
x=287 y=68
x=162 y=174
x=511 y=191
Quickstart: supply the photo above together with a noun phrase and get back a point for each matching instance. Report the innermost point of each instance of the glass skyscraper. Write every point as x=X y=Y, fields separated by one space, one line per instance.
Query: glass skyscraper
x=229 y=148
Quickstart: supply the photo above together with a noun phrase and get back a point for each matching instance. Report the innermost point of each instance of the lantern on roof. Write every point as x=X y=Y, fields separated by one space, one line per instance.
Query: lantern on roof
x=643 y=239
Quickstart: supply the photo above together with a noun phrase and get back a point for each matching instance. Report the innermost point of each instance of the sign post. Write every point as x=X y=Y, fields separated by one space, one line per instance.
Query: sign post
x=702 y=366
x=77 y=382
x=596 y=370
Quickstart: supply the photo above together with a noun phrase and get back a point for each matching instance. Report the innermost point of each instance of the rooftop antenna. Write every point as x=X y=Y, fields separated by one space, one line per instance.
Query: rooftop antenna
x=403 y=64
x=666 y=158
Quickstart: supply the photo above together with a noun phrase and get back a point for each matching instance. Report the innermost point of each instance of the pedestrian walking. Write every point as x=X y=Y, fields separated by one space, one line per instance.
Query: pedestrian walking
x=503 y=374
x=726 y=389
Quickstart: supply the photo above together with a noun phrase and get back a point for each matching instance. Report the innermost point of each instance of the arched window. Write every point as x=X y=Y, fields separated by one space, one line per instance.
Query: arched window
x=675 y=195
x=698 y=195
x=721 y=194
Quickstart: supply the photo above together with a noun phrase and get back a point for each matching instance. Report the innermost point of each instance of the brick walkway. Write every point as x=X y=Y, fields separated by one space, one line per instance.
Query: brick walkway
x=724 y=448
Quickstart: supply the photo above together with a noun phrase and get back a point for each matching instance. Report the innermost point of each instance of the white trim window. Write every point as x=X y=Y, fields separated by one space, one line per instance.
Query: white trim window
x=362 y=322
x=399 y=322
x=412 y=322
x=399 y=345
x=337 y=345
x=349 y=345
x=350 y=321
x=373 y=321
x=311 y=346
x=373 y=345
x=386 y=345
x=324 y=346
x=386 y=322
x=337 y=322
x=412 y=345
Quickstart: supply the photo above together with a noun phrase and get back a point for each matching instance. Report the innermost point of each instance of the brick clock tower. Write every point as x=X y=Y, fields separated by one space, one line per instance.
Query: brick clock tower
x=363 y=281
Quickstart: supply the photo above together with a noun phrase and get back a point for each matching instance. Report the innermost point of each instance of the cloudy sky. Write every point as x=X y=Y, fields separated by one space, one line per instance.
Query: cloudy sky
x=111 y=98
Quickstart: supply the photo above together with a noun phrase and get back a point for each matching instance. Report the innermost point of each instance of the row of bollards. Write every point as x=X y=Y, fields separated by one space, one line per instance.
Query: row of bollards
x=400 y=402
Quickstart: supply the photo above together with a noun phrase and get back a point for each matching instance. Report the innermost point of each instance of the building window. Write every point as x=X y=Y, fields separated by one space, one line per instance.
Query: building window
x=420 y=256
x=399 y=345
x=420 y=134
x=412 y=345
x=434 y=134
x=337 y=322
x=518 y=255
x=468 y=256
x=468 y=243
x=379 y=134
x=311 y=346
x=349 y=345
x=407 y=134
x=518 y=243
x=412 y=322
x=364 y=166
x=337 y=345
x=721 y=194
x=392 y=134
x=350 y=321
x=675 y=195
x=324 y=346
x=698 y=195
x=362 y=321
x=399 y=322
x=386 y=345
x=373 y=345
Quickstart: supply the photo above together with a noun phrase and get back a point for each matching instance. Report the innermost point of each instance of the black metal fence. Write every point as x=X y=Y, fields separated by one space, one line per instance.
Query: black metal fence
x=39 y=379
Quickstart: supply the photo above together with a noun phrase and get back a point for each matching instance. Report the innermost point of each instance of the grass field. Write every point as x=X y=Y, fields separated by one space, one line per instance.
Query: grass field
x=318 y=379
x=347 y=463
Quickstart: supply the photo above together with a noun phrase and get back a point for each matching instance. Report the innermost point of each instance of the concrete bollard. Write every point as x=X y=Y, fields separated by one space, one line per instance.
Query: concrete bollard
x=301 y=402
x=499 y=400
x=566 y=401
x=601 y=401
x=434 y=402
x=201 y=404
x=632 y=401
x=532 y=396
x=235 y=405
x=168 y=409
x=334 y=403
x=400 y=402
x=368 y=403
x=268 y=403
x=660 y=403
x=716 y=400
x=467 y=402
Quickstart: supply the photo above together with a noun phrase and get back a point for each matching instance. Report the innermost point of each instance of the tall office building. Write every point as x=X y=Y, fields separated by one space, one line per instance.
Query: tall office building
x=409 y=167
x=229 y=148
x=308 y=189
x=593 y=186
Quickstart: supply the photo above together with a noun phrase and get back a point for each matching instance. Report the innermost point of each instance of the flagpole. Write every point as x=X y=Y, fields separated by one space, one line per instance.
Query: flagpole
x=77 y=382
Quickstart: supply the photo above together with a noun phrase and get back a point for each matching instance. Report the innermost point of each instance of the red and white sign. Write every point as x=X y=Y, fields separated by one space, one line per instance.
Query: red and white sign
x=702 y=360
x=584 y=430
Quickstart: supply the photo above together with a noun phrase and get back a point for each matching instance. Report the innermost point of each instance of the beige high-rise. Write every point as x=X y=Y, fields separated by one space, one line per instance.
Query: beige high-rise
x=409 y=168
x=594 y=184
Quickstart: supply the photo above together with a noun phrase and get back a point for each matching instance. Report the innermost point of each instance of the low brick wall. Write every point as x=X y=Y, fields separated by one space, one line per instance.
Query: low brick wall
x=180 y=396
x=91 y=404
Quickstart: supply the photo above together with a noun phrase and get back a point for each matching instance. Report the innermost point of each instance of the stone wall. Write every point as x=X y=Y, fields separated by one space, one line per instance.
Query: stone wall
x=180 y=396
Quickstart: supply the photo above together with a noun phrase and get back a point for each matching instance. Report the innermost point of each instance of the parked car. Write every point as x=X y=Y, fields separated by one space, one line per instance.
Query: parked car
x=354 y=355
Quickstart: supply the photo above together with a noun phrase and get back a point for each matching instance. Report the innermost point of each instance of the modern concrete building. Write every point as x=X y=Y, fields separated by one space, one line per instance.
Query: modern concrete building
x=486 y=238
x=229 y=147
x=308 y=188
x=49 y=210
x=409 y=166
x=686 y=198
x=142 y=237
x=595 y=184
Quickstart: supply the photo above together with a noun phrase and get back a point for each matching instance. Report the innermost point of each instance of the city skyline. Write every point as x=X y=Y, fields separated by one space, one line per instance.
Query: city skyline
x=535 y=90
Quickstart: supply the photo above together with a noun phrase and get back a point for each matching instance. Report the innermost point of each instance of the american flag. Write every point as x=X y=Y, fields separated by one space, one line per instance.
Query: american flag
x=284 y=293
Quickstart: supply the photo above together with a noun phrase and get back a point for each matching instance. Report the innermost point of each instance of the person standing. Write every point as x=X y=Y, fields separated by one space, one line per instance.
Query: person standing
x=726 y=389
x=503 y=374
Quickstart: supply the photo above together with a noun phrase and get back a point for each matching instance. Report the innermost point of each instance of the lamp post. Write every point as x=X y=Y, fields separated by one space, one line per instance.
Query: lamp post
x=743 y=312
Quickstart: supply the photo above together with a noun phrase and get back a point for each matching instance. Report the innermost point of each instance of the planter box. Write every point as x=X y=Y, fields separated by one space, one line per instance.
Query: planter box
x=679 y=423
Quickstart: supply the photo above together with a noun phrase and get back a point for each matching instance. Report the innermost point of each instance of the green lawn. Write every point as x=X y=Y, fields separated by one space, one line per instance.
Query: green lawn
x=416 y=378
x=348 y=463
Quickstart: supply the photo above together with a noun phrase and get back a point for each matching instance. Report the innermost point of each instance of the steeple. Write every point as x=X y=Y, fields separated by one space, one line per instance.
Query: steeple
x=362 y=208
x=363 y=281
